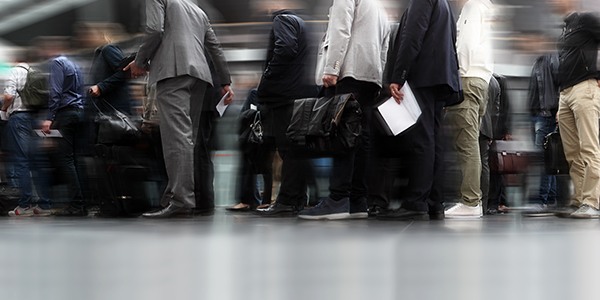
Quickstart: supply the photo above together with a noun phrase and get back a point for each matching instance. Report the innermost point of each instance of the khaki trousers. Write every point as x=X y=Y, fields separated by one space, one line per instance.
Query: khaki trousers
x=578 y=113
x=464 y=120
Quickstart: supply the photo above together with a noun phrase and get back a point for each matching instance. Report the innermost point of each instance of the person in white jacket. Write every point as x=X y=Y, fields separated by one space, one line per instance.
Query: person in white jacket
x=474 y=49
x=352 y=57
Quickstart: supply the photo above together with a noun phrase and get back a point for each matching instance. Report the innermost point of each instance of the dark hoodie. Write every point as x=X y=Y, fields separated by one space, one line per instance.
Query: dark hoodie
x=286 y=74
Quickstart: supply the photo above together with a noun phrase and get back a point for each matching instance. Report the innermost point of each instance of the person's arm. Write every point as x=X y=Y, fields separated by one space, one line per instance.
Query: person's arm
x=113 y=56
x=10 y=90
x=414 y=26
x=339 y=31
x=55 y=86
x=533 y=94
x=215 y=52
x=155 y=26
x=286 y=45
x=592 y=22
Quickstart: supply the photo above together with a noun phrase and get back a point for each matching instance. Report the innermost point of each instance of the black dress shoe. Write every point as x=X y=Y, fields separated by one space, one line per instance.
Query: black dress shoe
x=277 y=210
x=436 y=211
x=374 y=210
x=203 y=211
x=171 y=211
x=72 y=211
x=402 y=214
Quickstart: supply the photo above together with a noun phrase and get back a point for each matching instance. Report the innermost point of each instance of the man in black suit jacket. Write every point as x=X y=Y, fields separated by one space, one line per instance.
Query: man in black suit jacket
x=426 y=58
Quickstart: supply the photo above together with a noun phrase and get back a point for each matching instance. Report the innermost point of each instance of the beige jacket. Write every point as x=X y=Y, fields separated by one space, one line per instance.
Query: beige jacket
x=356 y=42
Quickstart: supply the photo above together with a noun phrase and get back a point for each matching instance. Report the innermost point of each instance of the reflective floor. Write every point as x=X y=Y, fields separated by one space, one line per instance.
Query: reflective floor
x=240 y=256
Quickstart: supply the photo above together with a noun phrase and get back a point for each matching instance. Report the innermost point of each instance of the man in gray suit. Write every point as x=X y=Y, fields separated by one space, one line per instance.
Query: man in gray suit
x=178 y=33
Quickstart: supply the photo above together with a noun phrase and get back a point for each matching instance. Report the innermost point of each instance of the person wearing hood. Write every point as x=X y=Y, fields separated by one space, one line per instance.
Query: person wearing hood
x=285 y=78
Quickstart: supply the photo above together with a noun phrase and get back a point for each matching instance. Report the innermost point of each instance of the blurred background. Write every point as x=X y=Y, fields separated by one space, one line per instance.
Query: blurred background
x=523 y=30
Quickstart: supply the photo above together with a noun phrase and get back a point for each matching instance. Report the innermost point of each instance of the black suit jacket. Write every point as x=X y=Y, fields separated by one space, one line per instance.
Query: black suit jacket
x=425 y=47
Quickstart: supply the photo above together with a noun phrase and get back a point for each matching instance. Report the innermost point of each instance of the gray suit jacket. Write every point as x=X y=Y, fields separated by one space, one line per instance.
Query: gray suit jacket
x=178 y=34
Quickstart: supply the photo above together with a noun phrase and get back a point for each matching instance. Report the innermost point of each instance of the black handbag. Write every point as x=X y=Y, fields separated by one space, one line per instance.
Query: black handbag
x=114 y=127
x=327 y=125
x=554 y=155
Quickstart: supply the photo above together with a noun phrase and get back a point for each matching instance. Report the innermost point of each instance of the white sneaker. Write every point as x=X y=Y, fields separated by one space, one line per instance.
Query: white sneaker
x=462 y=211
x=585 y=212
x=21 y=212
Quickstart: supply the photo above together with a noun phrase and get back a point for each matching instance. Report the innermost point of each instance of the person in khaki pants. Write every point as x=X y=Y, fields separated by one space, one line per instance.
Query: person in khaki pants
x=474 y=49
x=579 y=106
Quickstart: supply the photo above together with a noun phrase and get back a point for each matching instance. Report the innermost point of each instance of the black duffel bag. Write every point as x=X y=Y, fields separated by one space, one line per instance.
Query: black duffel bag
x=114 y=127
x=327 y=125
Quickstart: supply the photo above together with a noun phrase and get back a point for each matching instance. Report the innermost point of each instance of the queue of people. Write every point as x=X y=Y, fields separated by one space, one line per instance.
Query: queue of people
x=447 y=63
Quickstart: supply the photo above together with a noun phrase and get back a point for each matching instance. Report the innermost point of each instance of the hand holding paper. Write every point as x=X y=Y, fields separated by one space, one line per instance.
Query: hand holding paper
x=402 y=113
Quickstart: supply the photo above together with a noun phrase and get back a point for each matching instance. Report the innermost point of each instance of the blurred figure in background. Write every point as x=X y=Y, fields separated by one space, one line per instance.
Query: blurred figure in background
x=543 y=104
x=65 y=114
x=495 y=125
x=181 y=73
x=109 y=81
x=579 y=105
x=475 y=57
x=23 y=144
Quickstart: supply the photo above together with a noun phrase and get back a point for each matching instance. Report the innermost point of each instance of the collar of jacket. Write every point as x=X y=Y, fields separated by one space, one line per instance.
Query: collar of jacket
x=282 y=12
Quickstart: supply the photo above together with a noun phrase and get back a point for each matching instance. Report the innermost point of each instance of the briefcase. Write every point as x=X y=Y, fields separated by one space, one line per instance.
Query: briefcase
x=510 y=157
x=554 y=155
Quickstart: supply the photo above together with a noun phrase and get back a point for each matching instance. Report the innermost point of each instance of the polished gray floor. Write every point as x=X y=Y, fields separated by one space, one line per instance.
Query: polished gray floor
x=240 y=256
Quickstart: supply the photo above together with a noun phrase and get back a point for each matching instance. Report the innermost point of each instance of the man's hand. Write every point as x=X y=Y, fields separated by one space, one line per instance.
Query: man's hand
x=329 y=80
x=46 y=126
x=598 y=82
x=95 y=91
x=136 y=71
x=227 y=89
x=395 y=91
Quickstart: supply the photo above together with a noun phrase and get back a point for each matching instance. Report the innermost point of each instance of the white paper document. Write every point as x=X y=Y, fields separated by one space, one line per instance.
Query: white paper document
x=400 y=117
x=53 y=133
x=221 y=106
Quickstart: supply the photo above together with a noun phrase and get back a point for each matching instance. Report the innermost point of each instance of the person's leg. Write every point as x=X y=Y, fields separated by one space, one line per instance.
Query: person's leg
x=465 y=119
x=204 y=168
x=484 y=148
x=586 y=108
x=68 y=121
x=179 y=103
x=571 y=145
x=19 y=132
x=293 y=188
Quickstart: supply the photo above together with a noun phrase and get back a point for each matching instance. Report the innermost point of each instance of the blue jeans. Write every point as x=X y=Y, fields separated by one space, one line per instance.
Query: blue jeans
x=23 y=149
x=544 y=126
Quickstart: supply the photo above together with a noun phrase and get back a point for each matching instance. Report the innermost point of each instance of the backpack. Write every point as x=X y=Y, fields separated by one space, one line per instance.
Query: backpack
x=35 y=92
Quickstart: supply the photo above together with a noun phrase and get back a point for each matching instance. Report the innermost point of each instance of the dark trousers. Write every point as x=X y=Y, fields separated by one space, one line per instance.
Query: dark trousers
x=69 y=122
x=204 y=173
x=484 y=151
x=425 y=154
x=349 y=173
x=295 y=169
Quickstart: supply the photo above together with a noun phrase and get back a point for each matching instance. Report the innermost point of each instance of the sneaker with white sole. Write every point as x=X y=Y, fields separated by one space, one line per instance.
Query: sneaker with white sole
x=585 y=212
x=40 y=212
x=21 y=212
x=327 y=209
x=463 y=211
